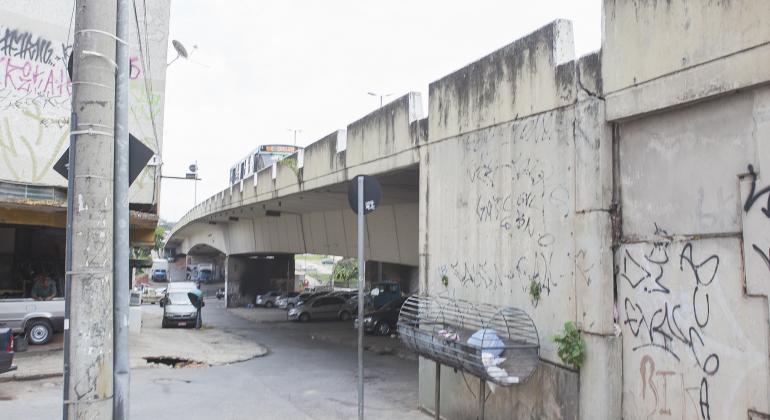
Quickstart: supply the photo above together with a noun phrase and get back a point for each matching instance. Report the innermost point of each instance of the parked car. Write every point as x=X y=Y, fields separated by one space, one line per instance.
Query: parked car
x=351 y=305
x=382 y=321
x=327 y=261
x=384 y=292
x=159 y=274
x=220 y=293
x=287 y=301
x=151 y=295
x=321 y=307
x=6 y=350
x=306 y=296
x=268 y=299
x=38 y=319
x=177 y=308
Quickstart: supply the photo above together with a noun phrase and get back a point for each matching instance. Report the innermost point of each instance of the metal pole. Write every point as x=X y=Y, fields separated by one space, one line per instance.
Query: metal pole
x=438 y=391
x=68 y=261
x=361 y=298
x=90 y=386
x=195 y=188
x=482 y=397
x=121 y=272
x=227 y=270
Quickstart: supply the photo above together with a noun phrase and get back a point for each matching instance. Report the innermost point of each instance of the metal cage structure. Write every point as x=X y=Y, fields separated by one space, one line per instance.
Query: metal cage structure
x=499 y=345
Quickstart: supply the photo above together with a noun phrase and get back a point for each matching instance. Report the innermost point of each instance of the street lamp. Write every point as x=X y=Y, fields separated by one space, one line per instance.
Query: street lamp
x=191 y=175
x=295 y=131
x=382 y=96
x=181 y=51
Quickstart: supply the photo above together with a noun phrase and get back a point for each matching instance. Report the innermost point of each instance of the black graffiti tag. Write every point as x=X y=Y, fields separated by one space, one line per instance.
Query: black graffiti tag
x=754 y=194
x=25 y=45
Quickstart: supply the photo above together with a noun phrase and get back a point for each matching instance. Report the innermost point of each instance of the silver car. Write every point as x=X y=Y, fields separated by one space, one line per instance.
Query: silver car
x=321 y=307
x=268 y=299
x=39 y=319
x=288 y=300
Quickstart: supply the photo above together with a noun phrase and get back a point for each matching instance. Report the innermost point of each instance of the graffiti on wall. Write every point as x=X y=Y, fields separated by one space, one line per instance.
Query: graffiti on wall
x=753 y=203
x=670 y=321
x=513 y=186
x=35 y=96
x=685 y=349
x=35 y=93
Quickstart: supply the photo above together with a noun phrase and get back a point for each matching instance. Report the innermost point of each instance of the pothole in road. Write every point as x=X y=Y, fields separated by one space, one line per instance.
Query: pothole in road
x=174 y=362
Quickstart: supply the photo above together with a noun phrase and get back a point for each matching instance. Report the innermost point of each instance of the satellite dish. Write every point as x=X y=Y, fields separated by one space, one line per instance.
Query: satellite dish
x=180 y=49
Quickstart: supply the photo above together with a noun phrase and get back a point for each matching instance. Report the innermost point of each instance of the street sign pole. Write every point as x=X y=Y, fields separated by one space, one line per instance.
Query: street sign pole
x=361 y=278
x=363 y=197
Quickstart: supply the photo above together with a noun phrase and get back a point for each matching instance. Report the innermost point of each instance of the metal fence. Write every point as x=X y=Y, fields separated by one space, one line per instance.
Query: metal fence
x=500 y=345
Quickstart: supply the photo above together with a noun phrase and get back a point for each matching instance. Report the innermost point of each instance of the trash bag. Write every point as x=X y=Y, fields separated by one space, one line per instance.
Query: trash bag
x=488 y=341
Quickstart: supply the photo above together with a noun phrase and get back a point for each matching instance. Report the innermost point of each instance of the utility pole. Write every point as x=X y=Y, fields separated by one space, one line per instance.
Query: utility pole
x=121 y=273
x=90 y=302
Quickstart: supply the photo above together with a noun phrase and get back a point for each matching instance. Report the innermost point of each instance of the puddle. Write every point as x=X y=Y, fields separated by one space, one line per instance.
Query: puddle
x=175 y=362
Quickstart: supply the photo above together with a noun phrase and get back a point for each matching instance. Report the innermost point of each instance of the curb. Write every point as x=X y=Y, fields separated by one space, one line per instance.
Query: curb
x=33 y=377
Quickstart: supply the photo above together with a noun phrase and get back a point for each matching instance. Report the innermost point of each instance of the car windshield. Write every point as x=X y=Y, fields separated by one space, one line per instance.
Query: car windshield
x=392 y=304
x=178 y=298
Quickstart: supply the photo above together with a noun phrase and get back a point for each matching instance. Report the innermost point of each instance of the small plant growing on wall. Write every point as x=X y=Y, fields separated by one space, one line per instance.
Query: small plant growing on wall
x=442 y=270
x=535 y=289
x=570 y=345
x=290 y=163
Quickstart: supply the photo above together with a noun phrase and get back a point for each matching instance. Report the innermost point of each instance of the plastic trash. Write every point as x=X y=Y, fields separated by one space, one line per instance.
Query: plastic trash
x=488 y=341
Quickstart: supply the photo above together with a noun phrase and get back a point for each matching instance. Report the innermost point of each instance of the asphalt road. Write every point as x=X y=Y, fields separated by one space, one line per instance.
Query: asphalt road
x=300 y=378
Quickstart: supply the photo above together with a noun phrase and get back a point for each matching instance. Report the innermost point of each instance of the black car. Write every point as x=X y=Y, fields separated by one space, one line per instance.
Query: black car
x=383 y=320
x=6 y=350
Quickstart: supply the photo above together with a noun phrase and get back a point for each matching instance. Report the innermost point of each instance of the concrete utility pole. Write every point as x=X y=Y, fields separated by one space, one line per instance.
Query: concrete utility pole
x=121 y=273
x=90 y=381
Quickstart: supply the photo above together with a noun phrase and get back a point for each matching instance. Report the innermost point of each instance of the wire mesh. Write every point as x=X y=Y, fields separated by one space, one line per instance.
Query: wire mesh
x=500 y=345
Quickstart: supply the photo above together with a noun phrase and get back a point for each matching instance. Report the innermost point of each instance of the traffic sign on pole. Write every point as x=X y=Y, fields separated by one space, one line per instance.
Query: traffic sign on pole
x=363 y=196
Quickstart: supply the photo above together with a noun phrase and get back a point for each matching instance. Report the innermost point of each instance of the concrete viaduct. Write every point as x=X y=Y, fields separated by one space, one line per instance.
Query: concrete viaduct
x=627 y=187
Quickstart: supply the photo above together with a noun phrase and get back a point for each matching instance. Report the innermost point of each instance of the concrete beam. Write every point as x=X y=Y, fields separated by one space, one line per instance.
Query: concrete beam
x=646 y=40
x=529 y=76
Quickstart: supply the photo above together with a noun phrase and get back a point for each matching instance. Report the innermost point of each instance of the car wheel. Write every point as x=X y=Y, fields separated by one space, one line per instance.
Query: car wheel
x=39 y=331
x=383 y=328
x=269 y=304
x=345 y=315
x=304 y=317
x=163 y=324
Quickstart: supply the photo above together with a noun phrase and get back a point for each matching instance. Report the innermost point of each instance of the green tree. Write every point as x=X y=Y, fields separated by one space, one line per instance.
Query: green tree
x=344 y=270
x=160 y=233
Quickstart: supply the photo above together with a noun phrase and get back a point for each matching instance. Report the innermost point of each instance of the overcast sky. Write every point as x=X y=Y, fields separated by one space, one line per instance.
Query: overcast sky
x=262 y=67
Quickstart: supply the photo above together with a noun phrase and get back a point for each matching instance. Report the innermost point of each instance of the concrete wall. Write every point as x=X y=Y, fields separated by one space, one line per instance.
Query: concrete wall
x=692 y=126
x=35 y=89
x=687 y=261
x=520 y=196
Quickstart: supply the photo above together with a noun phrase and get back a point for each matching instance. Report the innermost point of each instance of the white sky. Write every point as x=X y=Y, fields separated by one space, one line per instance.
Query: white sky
x=264 y=66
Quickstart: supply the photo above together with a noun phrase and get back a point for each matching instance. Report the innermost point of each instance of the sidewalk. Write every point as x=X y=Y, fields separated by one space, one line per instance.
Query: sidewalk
x=330 y=331
x=204 y=347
